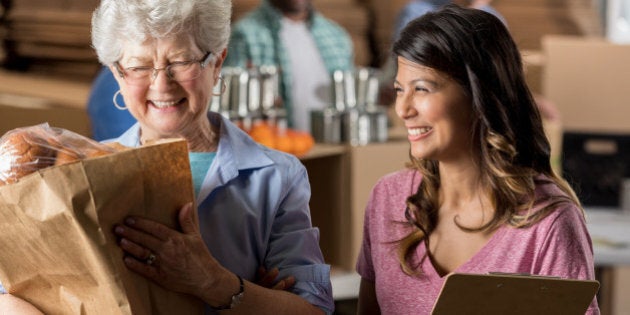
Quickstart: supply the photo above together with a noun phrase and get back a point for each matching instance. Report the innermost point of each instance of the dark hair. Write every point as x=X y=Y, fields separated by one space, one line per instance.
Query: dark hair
x=475 y=49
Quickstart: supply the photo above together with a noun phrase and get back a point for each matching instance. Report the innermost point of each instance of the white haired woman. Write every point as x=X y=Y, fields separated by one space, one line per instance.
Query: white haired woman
x=252 y=202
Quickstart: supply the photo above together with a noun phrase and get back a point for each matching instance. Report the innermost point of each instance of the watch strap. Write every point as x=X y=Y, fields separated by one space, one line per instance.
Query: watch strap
x=236 y=298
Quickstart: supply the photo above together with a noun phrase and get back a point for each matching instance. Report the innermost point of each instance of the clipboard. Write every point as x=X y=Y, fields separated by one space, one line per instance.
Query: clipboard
x=516 y=294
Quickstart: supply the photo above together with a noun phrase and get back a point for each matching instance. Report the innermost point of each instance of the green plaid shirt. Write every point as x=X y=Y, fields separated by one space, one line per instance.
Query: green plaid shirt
x=255 y=41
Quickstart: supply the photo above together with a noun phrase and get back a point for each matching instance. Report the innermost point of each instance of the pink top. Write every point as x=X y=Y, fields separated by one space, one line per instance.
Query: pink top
x=558 y=245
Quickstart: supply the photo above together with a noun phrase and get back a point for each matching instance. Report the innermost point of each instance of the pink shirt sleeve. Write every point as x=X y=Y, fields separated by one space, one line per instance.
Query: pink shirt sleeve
x=567 y=250
x=365 y=267
x=388 y=196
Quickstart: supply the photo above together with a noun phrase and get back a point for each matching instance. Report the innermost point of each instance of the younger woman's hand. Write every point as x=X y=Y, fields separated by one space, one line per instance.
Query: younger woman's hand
x=266 y=279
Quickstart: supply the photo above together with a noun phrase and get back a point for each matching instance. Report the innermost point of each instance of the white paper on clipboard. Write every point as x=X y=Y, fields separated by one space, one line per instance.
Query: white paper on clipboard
x=515 y=294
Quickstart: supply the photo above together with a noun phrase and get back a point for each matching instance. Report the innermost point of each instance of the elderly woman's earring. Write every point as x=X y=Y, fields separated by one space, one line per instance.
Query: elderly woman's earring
x=116 y=103
x=223 y=87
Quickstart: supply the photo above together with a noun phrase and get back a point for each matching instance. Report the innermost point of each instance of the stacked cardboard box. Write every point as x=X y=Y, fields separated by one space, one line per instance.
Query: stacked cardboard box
x=3 y=31
x=528 y=20
x=587 y=79
x=51 y=37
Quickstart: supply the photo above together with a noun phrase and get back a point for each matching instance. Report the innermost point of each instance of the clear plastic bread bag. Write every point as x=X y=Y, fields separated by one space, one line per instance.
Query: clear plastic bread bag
x=27 y=149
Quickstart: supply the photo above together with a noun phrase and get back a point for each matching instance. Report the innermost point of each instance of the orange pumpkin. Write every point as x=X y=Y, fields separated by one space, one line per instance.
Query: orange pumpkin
x=281 y=138
x=302 y=142
x=284 y=142
x=263 y=133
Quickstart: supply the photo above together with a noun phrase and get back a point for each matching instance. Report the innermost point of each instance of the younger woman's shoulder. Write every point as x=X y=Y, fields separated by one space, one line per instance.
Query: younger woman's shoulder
x=404 y=181
x=565 y=209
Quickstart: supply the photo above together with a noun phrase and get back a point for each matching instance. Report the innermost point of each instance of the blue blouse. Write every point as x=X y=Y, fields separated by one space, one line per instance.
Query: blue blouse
x=253 y=211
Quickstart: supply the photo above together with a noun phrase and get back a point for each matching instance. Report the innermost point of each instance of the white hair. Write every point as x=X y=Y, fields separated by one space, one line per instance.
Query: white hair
x=117 y=21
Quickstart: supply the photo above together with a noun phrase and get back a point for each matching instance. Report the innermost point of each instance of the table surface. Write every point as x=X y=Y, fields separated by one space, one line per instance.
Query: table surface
x=610 y=232
x=609 y=229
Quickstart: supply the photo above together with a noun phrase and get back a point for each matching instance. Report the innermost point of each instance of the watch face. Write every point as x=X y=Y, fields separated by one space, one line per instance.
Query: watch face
x=236 y=299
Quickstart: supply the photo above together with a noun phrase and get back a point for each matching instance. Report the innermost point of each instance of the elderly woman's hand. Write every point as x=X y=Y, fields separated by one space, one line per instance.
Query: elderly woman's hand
x=179 y=261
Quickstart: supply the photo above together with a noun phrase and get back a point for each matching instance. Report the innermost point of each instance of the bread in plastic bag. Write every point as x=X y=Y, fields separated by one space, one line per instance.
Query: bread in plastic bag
x=28 y=149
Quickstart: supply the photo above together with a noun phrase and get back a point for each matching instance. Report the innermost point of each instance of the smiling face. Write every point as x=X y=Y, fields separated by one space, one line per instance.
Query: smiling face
x=436 y=113
x=164 y=107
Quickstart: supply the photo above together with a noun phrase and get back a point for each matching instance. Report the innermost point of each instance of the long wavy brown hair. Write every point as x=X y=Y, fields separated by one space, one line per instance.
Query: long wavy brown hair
x=476 y=50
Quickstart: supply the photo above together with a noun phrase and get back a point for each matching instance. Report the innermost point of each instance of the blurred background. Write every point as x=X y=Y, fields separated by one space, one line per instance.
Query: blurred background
x=577 y=62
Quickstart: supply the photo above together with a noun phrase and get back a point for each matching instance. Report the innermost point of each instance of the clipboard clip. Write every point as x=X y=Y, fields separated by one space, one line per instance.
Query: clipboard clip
x=522 y=274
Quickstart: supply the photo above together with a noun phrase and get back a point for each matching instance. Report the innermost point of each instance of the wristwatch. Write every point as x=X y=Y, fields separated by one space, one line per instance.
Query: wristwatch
x=236 y=298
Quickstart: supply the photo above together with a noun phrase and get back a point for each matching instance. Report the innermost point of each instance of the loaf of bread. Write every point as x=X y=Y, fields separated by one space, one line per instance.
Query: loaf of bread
x=22 y=153
x=28 y=149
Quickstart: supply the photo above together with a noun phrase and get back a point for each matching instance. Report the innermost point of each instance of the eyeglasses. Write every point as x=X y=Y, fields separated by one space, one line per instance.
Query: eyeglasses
x=179 y=71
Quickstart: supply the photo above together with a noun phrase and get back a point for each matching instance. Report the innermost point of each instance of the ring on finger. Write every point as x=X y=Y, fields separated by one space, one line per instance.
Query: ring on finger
x=151 y=259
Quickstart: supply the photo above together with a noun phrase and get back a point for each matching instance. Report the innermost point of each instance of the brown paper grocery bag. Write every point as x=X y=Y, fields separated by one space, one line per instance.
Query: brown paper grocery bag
x=57 y=248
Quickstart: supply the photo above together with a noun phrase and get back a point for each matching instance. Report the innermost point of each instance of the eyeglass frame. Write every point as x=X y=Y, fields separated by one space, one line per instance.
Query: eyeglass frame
x=203 y=63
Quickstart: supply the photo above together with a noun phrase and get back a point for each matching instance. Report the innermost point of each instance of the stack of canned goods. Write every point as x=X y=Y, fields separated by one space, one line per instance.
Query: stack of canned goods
x=250 y=98
x=354 y=115
x=249 y=95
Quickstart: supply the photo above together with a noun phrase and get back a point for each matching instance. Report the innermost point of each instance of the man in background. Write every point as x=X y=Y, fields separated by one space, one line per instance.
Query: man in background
x=306 y=46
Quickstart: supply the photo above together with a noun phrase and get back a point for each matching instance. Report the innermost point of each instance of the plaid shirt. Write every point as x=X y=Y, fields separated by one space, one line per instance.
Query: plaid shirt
x=255 y=41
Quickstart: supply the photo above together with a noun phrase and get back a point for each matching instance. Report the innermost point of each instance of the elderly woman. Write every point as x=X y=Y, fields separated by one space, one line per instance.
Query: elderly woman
x=252 y=201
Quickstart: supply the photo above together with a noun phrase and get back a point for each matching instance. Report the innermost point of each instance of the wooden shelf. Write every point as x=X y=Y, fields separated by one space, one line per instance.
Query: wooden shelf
x=320 y=150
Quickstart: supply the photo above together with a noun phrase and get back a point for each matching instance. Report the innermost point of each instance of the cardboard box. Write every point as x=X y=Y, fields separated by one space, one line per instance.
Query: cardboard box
x=21 y=111
x=27 y=100
x=587 y=79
